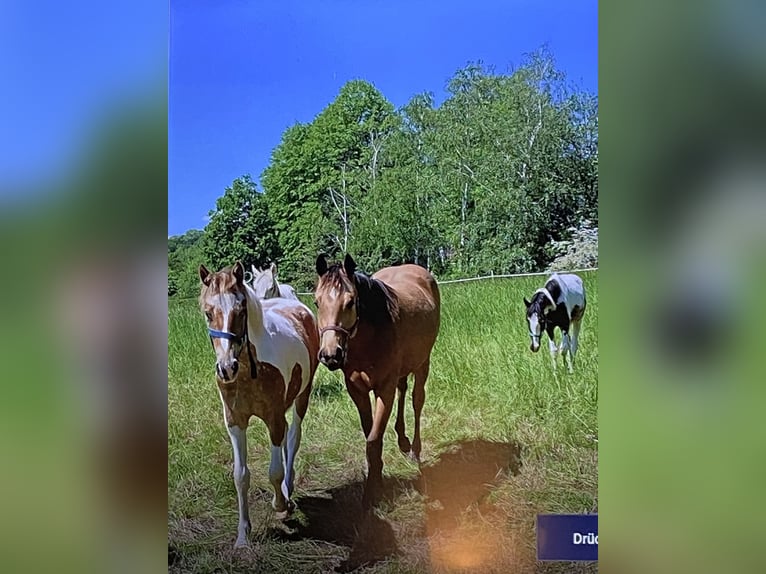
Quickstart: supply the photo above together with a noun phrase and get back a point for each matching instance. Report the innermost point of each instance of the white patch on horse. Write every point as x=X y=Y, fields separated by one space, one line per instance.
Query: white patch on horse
x=572 y=291
x=333 y=293
x=276 y=340
x=547 y=293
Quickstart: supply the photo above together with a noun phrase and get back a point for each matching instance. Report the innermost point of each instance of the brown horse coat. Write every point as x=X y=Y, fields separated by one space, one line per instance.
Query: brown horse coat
x=378 y=330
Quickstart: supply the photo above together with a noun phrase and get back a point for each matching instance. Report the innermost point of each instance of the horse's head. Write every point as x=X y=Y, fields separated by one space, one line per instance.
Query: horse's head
x=265 y=283
x=337 y=301
x=223 y=300
x=537 y=309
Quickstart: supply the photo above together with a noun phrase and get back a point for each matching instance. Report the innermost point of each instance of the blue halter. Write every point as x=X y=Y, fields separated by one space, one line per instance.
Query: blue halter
x=237 y=340
x=226 y=335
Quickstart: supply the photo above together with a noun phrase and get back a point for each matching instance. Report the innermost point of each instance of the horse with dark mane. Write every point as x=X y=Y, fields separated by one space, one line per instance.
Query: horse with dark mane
x=378 y=330
x=561 y=303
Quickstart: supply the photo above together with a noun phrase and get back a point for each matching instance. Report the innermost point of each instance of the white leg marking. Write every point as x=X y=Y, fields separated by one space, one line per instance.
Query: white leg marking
x=575 y=339
x=241 y=481
x=290 y=450
x=554 y=350
x=276 y=470
x=565 y=351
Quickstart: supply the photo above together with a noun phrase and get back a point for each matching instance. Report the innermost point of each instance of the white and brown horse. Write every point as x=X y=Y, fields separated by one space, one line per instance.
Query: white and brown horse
x=266 y=286
x=378 y=330
x=266 y=357
x=561 y=303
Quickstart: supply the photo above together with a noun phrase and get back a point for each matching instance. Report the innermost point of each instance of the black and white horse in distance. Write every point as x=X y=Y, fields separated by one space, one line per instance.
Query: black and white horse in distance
x=561 y=303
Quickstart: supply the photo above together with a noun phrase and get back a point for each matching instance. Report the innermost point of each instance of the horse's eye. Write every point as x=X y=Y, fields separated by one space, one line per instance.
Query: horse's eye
x=209 y=315
x=350 y=304
x=316 y=302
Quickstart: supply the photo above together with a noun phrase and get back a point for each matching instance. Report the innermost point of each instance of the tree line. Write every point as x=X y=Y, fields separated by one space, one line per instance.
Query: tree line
x=489 y=181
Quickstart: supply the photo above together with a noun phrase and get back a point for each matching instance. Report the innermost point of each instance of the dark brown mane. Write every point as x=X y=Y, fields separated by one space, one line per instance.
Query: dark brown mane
x=377 y=302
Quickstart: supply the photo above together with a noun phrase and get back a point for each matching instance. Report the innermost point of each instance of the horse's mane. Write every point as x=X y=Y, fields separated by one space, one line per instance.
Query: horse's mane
x=377 y=301
x=544 y=293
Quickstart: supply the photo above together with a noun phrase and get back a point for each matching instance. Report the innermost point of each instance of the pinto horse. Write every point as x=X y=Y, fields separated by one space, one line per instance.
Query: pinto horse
x=266 y=357
x=561 y=303
x=266 y=287
x=378 y=330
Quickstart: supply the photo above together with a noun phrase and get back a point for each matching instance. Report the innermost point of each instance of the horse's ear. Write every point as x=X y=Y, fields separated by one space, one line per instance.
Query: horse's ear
x=204 y=275
x=349 y=265
x=321 y=264
x=273 y=269
x=239 y=272
x=527 y=303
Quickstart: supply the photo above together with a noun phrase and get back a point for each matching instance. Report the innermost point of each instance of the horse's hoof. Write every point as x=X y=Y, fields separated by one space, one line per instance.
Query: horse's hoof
x=404 y=446
x=282 y=515
x=414 y=457
x=241 y=543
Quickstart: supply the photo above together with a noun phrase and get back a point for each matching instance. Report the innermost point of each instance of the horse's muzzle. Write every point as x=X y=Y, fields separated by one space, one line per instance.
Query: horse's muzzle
x=227 y=372
x=333 y=361
x=534 y=348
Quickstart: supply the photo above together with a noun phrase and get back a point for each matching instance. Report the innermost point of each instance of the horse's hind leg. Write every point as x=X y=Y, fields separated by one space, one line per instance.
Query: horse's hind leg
x=418 y=398
x=293 y=443
x=404 y=442
x=574 y=340
x=566 y=351
x=278 y=436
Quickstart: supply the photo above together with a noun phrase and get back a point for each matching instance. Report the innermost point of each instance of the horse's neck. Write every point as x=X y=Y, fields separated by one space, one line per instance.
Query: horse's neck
x=370 y=342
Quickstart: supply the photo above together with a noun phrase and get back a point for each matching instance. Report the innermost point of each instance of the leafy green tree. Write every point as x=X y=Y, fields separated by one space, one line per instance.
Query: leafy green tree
x=184 y=257
x=240 y=228
x=489 y=181
x=320 y=175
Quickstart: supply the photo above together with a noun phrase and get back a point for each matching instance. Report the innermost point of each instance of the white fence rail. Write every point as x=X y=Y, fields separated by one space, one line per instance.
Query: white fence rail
x=508 y=276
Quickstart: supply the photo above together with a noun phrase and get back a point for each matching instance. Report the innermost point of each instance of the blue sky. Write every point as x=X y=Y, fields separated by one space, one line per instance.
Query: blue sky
x=241 y=72
x=64 y=68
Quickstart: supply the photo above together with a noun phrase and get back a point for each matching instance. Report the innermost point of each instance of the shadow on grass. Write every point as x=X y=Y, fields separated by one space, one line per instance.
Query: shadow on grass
x=462 y=476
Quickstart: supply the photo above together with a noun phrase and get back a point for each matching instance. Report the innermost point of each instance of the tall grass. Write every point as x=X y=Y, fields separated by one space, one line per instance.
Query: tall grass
x=484 y=384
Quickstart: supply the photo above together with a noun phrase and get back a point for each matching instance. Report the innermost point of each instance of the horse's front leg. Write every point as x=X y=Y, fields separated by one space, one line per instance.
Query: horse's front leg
x=553 y=349
x=238 y=436
x=566 y=353
x=384 y=401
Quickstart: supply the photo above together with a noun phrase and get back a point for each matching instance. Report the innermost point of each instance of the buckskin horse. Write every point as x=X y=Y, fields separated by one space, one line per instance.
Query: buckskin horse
x=378 y=330
x=561 y=303
x=266 y=357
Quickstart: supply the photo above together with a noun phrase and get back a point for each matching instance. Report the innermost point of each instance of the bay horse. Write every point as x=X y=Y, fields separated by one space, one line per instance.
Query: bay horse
x=266 y=286
x=378 y=330
x=560 y=303
x=266 y=357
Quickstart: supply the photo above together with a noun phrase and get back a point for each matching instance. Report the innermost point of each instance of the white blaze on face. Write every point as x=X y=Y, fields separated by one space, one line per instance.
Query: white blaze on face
x=229 y=304
x=534 y=330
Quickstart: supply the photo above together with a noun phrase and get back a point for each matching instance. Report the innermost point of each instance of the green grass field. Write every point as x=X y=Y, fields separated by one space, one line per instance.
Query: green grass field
x=504 y=438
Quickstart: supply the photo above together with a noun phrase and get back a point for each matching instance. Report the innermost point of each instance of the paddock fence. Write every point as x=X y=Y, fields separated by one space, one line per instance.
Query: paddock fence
x=466 y=279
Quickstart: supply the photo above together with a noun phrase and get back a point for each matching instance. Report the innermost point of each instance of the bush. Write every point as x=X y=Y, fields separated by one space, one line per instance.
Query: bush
x=579 y=252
